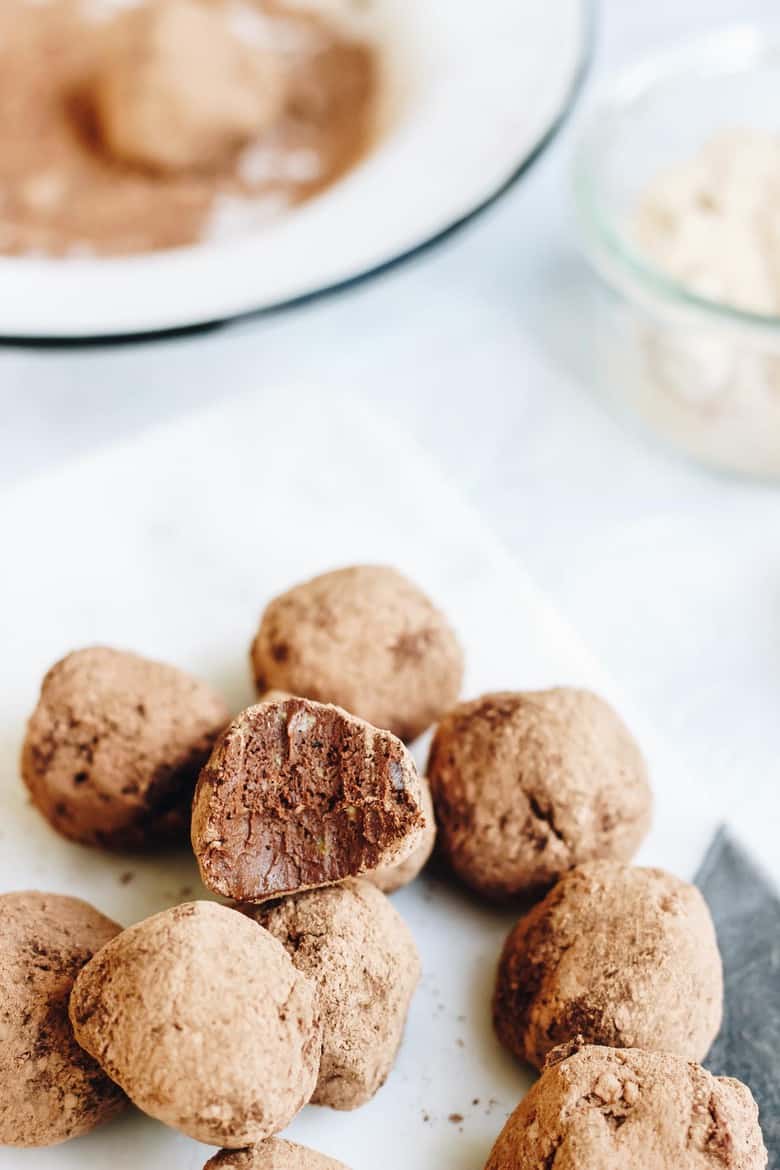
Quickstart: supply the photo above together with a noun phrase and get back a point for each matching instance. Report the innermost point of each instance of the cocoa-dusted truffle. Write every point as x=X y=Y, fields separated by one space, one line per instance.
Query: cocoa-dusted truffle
x=298 y=795
x=50 y=1089
x=390 y=878
x=177 y=89
x=610 y=1109
x=366 y=639
x=114 y=747
x=527 y=785
x=618 y=956
x=352 y=941
x=275 y=1154
x=201 y=1017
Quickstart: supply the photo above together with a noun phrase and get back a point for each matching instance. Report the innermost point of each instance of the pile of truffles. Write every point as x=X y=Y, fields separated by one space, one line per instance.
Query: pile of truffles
x=305 y=811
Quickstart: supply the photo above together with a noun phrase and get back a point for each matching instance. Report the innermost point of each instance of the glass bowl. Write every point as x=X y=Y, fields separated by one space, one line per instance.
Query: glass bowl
x=704 y=375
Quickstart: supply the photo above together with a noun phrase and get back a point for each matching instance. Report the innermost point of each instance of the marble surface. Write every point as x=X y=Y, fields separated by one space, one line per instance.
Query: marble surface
x=481 y=351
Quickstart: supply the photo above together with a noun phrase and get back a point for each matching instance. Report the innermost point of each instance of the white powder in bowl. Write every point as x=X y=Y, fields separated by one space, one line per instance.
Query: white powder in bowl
x=712 y=225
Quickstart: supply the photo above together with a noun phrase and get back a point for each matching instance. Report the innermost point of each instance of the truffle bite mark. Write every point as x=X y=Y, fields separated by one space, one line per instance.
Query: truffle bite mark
x=297 y=795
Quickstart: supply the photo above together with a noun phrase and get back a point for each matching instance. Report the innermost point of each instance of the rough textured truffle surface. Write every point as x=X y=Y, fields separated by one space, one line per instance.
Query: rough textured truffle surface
x=50 y=1089
x=390 y=878
x=297 y=795
x=114 y=747
x=275 y=1154
x=178 y=90
x=353 y=942
x=608 y=1109
x=618 y=956
x=526 y=786
x=201 y=1017
x=366 y=639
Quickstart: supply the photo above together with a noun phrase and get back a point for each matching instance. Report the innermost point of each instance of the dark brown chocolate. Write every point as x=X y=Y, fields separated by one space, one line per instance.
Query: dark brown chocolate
x=298 y=795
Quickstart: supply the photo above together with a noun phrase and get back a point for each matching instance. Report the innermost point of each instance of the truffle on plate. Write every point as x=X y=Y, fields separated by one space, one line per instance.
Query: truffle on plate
x=389 y=878
x=617 y=956
x=178 y=89
x=366 y=639
x=527 y=785
x=114 y=747
x=50 y=1089
x=201 y=1017
x=275 y=1154
x=354 y=944
x=297 y=795
x=621 y=1109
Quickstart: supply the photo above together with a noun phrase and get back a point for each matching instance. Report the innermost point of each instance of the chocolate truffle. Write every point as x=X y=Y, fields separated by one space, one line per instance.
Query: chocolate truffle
x=177 y=89
x=354 y=944
x=610 y=1109
x=525 y=786
x=50 y=1089
x=618 y=956
x=297 y=795
x=114 y=747
x=275 y=1154
x=366 y=639
x=201 y=1017
x=390 y=878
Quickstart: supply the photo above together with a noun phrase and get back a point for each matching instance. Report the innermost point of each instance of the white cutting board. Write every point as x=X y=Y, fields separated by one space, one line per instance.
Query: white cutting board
x=171 y=546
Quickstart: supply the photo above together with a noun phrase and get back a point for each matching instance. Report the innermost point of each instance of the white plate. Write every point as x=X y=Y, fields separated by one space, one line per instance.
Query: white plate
x=171 y=546
x=473 y=92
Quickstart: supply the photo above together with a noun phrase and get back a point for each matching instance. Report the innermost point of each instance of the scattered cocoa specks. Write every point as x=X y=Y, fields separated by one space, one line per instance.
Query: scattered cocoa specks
x=455 y=1118
x=126 y=877
x=460 y=1042
x=475 y=1101
x=185 y=892
x=426 y=1116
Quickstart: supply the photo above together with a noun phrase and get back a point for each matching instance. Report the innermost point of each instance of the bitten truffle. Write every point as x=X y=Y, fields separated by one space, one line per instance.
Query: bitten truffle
x=275 y=1154
x=390 y=878
x=609 y=1109
x=177 y=89
x=201 y=1017
x=50 y=1089
x=297 y=795
x=617 y=956
x=114 y=747
x=366 y=639
x=354 y=944
x=525 y=786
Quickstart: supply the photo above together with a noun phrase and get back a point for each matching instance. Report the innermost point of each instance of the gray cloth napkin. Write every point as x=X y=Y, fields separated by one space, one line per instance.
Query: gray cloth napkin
x=746 y=910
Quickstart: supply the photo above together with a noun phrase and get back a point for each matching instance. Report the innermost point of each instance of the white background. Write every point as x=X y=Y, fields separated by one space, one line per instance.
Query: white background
x=481 y=351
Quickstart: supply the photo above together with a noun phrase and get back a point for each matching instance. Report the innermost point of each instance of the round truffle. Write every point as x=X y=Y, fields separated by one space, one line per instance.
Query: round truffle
x=275 y=1154
x=297 y=795
x=353 y=942
x=525 y=786
x=618 y=956
x=609 y=1109
x=50 y=1089
x=114 y=747
x=177 y=89
x=201 y=1017
x=366 y=639
x=389 y=878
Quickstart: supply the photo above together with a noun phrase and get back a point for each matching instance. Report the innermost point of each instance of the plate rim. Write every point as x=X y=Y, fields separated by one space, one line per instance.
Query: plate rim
x=590 y=17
